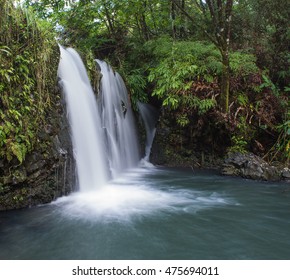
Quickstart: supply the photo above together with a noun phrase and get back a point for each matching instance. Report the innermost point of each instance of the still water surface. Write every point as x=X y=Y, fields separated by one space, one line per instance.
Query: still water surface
x=156 y=213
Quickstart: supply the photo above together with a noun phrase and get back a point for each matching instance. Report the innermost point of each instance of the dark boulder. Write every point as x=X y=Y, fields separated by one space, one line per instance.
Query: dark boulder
x=251 y=166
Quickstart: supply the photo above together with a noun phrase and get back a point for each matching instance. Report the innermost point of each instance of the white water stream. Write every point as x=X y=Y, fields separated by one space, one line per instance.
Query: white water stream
x=117 y=122
x=103 y=131
x=150 y=116
x=85 y=122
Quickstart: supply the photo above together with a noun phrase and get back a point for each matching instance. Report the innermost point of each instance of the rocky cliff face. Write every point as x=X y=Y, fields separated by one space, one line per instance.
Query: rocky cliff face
x=47 y=172
x=195 y=146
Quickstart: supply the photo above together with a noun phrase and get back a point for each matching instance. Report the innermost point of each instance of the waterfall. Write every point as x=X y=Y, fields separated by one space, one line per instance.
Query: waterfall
x=117 y=121
x=102 y=131
x=84 y=121
x=150 y=116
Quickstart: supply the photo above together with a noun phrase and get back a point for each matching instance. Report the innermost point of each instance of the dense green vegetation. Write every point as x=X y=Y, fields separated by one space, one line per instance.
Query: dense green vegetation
x=223 y=65
x=27 y=80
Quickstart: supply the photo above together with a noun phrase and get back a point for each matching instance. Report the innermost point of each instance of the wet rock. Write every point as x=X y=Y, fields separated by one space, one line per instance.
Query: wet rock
x=15 y=177
x=286 y=173
x=19 y=176
x=230 y=170
x=250 y=166
x=34 y=162
x=49 y=130
x=58 y=147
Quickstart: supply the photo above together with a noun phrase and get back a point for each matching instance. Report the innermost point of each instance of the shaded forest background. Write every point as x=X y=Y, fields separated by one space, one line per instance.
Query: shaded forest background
x=217 y=70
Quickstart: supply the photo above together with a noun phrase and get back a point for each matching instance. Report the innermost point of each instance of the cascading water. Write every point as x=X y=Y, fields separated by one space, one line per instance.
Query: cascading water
x=104 y=137
x=106 y=153
x=108 y=222
x=84 y=121
x=117 y=121
x=150 y=116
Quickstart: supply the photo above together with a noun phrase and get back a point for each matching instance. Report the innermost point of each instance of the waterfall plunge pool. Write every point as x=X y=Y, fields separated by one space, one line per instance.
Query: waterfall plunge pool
x=156 y=213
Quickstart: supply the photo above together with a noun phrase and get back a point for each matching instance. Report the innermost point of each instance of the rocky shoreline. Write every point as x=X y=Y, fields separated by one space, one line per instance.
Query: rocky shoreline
x=248 y=166
x=49 y=171
x=43 y=180
x=251 y=166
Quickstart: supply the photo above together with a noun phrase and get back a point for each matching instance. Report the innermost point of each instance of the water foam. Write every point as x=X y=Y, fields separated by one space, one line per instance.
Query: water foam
x=135 y=195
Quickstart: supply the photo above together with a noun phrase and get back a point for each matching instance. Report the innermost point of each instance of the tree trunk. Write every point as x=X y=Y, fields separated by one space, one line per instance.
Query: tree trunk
x=220 y=12
x=141 y=22
x=173 y=17
x=144 y=24
x=182 y=20
x=225 y=82
x=109 y=24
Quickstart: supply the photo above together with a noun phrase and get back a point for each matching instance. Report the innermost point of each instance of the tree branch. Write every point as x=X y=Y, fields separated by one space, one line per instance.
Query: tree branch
x=182 y=9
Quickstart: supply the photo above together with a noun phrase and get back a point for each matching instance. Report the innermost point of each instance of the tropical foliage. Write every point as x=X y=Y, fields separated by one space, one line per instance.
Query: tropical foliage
x=26 y=50
x=222 y=65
